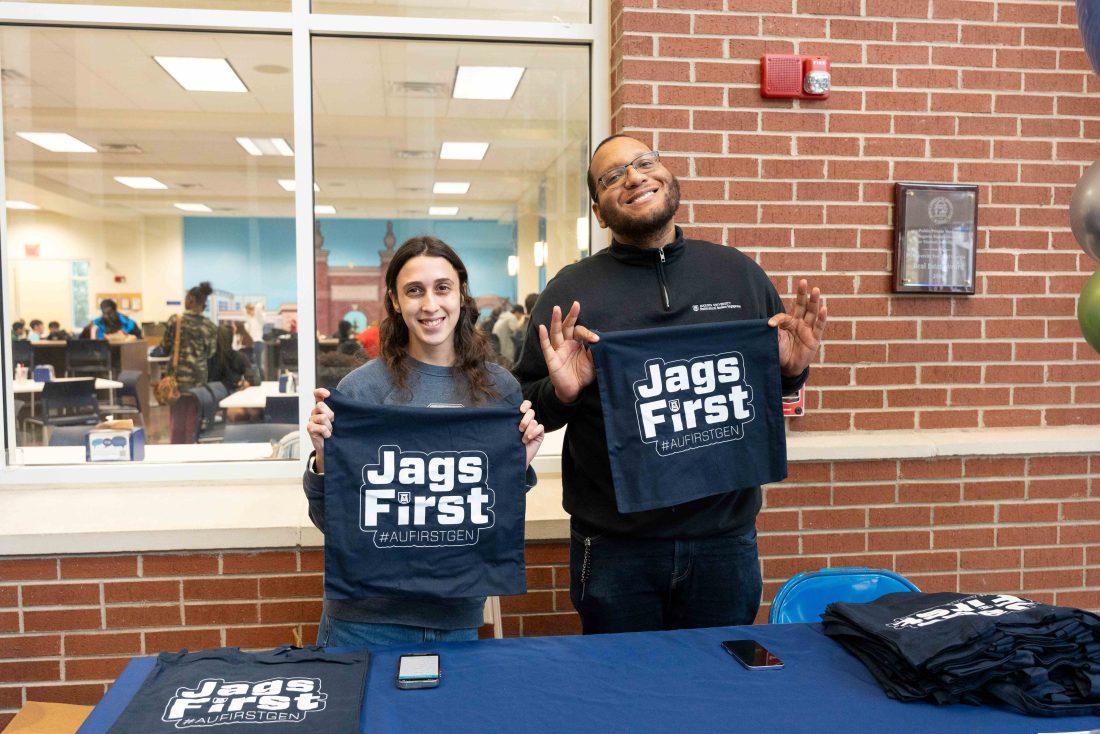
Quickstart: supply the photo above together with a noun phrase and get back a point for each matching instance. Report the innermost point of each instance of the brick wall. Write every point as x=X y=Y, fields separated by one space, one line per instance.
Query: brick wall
x=998 y=94
x=1021 y=524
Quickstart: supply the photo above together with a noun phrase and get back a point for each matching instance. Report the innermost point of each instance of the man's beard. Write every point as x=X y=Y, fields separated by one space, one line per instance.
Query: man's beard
x=636 y=228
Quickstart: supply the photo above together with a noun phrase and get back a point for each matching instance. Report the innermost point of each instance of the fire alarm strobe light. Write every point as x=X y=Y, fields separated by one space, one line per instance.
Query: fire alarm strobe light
x=787 y=76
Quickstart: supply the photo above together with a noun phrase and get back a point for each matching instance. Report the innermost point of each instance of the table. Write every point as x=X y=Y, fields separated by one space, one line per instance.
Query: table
x=254 y=396
x=643 y=682
x=30 y=386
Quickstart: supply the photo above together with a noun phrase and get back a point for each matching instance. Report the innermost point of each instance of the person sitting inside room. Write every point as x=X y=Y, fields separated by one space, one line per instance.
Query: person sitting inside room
x=230 y=366
x=110 y=321
x=57 y=333
x=38 y=330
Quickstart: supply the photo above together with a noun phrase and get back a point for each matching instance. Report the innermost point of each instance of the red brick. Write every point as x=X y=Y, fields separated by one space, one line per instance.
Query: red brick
x=651 y=70
x=221 y=614
x=62 y=619
x=268 y=562
x=691 y=47
x=1057 y=465
x=1007 y=537
x=1057 y=488
x=863 y=494
x=257 y=638
x=536 y=601
x=1078 y=534
x=292 y=586
x=30 y=670
x=989 y=559
x=141 y=591
x=834 y=519
x=220 y=589
x=117 y=643
x=633 y=21
x=1081 y=599
x=963 y=514
x=291 y=611
x=28 y=568
x=993 y=490
x=85 y=694
x=9 y=622
x=146 y=615
x=990 y=583
x=182 y=639
x=98 y=567
x=1030 y=512
x=882 y=517
x=94 y=668
x=844 y=542
x=1070 y=578
x=963 y=538
x=11 y=697
x=30 y=646
x=1053 y=557
x=994 y=467
x=539 y=578
x=179 y=565
x=48 y=595
x=903 y=540
x=1088 y=510
x=540 y=625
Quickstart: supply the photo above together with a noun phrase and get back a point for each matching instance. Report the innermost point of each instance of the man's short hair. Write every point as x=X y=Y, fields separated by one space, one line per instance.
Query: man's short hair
x=518 y=309
x=108 y=303
x=55 y=325
x=36 y=322
x=529 y=302
x=605 y=141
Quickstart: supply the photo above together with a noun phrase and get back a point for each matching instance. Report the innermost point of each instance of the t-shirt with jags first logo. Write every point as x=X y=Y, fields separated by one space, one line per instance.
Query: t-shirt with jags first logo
x=279 y=692
x=690 y=411
x=424 y=501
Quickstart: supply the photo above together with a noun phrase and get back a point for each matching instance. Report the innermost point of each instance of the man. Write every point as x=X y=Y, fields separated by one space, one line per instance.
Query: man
x=110 y=321
x=505 y=329
x=254 y=325
x=694 y=564
x=57 y=333
x=38 y=330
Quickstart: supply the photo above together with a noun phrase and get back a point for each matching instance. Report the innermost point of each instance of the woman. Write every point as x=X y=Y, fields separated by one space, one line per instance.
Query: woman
x=198 y=339
x=432 y=353
x=229 y=366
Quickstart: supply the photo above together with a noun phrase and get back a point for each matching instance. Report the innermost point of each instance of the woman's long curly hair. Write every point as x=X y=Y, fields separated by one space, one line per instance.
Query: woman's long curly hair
x=472 y=350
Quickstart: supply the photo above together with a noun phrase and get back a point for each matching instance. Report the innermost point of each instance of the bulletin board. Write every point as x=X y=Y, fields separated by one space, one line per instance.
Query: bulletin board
x=126 y=301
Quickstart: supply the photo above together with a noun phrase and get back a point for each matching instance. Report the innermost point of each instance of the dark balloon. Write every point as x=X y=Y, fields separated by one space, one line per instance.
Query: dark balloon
x=1084 y=211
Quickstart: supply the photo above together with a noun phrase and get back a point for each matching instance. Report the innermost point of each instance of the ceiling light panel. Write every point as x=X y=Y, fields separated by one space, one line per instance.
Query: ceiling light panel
x=324 y=209
x=443 y=211
x=266 y=146
x=463 y=151
x=140 y=182
x=193 y=208
x=451 y=187
x=487 y=82
x=202 y=74
x=288 y=184
x=15 y=204
x=57 y=142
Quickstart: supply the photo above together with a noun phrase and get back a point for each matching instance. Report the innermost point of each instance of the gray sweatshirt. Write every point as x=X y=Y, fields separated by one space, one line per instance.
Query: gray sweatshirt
x=431 y=387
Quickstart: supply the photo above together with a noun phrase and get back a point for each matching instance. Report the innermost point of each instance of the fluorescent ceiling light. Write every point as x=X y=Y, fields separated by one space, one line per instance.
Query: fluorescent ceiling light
x=140 y=182
x=288 y=184
x=487 y=82
x=202 y=75
x=266 y=146
x=463 y=151
x=443 y=211
x=582 y=233
x=57 y=142
x=324 y=209
x=451 y=187
x=513 y=265
x=194 y=207
x=21 y=205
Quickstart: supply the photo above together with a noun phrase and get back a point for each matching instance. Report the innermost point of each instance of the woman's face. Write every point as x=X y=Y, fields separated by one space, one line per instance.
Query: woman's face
x=429 y=301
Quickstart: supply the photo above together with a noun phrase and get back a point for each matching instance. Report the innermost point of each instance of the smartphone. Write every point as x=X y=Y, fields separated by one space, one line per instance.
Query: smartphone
x=418 y=670
x=752 y=654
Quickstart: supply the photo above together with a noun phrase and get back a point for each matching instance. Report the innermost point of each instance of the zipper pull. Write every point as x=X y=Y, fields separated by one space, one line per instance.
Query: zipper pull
x=661 y=252
x=586 y=565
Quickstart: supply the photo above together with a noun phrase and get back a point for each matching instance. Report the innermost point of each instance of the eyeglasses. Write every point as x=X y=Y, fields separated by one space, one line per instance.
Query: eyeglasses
x=643 y=163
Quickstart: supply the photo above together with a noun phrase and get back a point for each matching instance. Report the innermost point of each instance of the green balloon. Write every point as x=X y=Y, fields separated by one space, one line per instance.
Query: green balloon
x=1088 y=311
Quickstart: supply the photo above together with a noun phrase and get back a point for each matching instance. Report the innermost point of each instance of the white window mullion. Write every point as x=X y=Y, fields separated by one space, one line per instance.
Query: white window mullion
x=303 y=209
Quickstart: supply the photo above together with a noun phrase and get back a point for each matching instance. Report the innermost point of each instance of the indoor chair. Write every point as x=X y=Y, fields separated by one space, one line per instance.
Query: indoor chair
x=88 y=357
x=804 y=597
x=23 y=353
x=68 y=403
x=258 y=432
x=128 y=405
x=281 y=409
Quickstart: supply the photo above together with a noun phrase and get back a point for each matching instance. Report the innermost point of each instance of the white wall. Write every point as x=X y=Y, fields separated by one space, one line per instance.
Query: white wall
x=148 y=252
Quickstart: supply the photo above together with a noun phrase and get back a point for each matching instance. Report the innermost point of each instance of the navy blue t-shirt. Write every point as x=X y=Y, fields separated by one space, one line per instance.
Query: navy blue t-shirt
x=423 y=501
x=226 y=690
x=691 y=411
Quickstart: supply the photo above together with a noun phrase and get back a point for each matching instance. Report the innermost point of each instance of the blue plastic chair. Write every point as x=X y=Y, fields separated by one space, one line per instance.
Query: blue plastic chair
x=804 y=597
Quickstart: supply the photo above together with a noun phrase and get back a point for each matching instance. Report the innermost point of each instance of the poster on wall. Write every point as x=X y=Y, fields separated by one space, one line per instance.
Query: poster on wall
x=128 y=302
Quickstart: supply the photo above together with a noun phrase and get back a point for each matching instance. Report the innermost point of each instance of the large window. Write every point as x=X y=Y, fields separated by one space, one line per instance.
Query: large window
x=139 y=163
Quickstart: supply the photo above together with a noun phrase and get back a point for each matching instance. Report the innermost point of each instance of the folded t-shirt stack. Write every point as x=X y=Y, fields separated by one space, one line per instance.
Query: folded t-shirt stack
x=976 y=648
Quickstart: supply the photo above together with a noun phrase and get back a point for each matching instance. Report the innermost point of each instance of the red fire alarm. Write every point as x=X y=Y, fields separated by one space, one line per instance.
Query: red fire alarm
x=787 y=76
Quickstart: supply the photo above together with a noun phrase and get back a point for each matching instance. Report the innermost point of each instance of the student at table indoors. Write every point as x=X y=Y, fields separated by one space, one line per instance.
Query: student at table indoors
x=110 y=323
x=198 y=339
x=38 y=330
x=57 y=333
x=432 y=354
x=694 y=564
x=230 y=366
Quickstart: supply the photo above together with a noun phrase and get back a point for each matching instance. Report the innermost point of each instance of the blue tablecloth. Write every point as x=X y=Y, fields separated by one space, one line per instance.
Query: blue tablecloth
x=643 y=682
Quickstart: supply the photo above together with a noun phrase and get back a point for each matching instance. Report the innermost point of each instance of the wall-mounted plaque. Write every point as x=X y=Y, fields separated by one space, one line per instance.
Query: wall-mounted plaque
x=935 y=231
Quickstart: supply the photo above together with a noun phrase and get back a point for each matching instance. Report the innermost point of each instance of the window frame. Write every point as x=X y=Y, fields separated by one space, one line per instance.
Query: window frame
x=301 y=25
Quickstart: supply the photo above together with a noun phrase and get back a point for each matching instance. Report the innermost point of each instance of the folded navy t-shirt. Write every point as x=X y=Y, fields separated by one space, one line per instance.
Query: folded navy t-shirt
x=427 y=501
x=276 y=692
x=691 y=411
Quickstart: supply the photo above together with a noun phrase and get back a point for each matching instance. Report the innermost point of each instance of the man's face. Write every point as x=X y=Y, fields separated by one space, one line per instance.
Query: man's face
x=642 y=203
x=109 y=312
